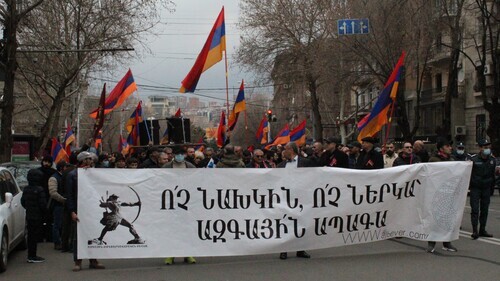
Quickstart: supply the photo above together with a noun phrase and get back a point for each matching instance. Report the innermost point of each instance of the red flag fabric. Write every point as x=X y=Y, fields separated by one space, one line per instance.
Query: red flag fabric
x=99 y=121
x=210 y=54
x=119 y=94
x=57 y=152
x=178 y=113
x=68 y=139
x=221 y=130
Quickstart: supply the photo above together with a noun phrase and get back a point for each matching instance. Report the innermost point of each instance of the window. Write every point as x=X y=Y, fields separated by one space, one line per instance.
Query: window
x=439 y=83
x=480 y=127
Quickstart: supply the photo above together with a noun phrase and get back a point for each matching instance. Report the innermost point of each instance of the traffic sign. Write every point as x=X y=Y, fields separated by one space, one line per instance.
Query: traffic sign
x=353 y=26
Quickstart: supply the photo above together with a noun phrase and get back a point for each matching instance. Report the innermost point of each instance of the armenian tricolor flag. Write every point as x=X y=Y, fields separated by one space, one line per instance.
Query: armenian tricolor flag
x=123 y=146
x=239 y=106
x=378 y=117
x=135 y=118
x=209 y=55
x=262 y=131
x=57 y=152
x=298 y=135
x=119 y=94
x=68 y=139
x=283 y=137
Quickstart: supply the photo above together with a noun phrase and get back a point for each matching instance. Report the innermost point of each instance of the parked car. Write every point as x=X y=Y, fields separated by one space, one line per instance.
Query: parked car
x=20 y=170
x=12 y=217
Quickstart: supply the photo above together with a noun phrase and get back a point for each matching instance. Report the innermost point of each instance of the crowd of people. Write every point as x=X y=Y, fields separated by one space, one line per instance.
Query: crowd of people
x=51 y=197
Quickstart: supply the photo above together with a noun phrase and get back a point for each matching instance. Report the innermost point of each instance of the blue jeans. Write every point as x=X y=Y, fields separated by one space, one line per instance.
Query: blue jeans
x=57 y=224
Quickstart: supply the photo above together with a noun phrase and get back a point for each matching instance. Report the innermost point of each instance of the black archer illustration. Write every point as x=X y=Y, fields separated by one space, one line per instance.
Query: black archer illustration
x=113 y=218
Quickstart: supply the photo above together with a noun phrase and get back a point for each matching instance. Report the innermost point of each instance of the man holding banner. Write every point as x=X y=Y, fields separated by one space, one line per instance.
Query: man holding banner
x=293 y=160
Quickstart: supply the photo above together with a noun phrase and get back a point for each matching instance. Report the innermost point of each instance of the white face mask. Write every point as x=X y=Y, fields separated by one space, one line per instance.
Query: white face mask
x=487 y=151
x=460 y=152
x=179 y=158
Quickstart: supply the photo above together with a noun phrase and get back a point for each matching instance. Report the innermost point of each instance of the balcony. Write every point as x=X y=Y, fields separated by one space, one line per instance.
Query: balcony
x=432 y=95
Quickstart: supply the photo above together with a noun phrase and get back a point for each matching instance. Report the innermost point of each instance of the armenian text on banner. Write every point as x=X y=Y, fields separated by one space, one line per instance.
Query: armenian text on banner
x=219 y=212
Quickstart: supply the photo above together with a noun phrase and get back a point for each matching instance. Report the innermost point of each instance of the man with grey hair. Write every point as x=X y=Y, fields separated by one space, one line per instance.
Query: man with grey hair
x=294 y=160
x=258 y=160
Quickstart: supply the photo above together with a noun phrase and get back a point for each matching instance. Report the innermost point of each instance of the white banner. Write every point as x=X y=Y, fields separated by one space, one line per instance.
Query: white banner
x=130 y=213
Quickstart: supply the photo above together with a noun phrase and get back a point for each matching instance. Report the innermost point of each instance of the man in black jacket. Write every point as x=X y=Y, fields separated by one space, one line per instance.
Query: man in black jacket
x=370 y=158
x=406 y=156
x=333 y=156
x=34 y=201
x=294 y=160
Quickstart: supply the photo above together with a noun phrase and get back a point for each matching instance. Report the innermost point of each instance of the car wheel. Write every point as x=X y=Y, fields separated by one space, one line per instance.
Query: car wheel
x=4 y=252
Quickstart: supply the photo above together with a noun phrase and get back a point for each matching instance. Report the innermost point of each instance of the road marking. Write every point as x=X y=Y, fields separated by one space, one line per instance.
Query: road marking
x=494 y=241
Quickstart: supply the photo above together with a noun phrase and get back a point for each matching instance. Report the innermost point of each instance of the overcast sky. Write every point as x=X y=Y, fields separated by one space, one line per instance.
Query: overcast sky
x=181 y=37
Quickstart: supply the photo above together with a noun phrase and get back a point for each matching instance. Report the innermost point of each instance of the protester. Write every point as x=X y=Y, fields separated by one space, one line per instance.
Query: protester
x=369 y=158
x=230 y=159
x=190 y=155
x=47 y=171
x=56 y=203
x=354 y=152
x=34 y=201
x=318 y=151
x=294 y=160
x=420 y=151
x=163 y=159
x=443 y=153
x=199 y=157
x=258 y=160
x=85 y=160
x=332 y=156
x=120 y=161
x=132 y=163
x=406 y=156
x=390 y=155
x=152 y=161
x=179 y=162
x=481 y=184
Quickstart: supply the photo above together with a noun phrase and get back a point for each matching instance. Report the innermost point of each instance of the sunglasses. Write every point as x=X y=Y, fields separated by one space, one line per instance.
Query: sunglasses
x=409 y=147
x=259 y=156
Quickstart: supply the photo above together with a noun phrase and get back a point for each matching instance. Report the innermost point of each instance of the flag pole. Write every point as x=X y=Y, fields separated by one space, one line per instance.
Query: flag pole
x=388 y=125
x=227 y=87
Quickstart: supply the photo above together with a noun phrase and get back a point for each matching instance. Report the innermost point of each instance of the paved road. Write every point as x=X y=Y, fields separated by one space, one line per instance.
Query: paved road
x=397 y=259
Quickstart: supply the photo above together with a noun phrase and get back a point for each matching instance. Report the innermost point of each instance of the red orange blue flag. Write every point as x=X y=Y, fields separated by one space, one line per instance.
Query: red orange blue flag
x=132 y=120
x=283 y=137
x=119 y=94
x=239 y=106
x=69 y=137
x=123 y=146
x=378 y=117
x=210 y=54
x=262 y=131
x=57 y=152
x=298 y=135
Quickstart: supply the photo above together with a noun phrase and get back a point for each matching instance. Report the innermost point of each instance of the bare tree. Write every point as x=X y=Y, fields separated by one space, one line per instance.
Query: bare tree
x=291 y=31
x=10 y=16
x=395 y=26
x=65 y=41
x=488 y=49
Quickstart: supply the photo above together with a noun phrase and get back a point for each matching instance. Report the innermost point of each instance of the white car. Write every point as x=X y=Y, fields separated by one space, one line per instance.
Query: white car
x=12 y=217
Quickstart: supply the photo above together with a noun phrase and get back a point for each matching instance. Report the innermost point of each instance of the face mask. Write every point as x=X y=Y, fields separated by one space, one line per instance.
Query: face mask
x=390 y=152
x=179 y=157
x=460 y=152
x=105 y=164
x=487 y=151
